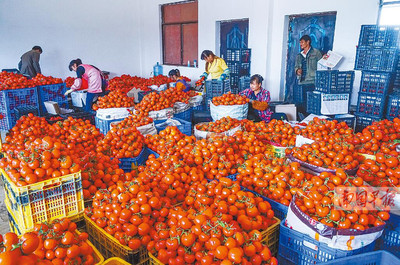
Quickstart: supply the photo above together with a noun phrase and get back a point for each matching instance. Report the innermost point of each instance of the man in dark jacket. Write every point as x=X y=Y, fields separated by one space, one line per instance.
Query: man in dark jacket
x=29 y=64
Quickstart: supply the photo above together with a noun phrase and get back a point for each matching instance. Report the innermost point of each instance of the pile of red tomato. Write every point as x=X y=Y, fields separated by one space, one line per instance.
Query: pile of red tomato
x=49 y=244
x=14 y=81
x=230 y=99
x=222 y=125
x=114 y=99
x=41 y=80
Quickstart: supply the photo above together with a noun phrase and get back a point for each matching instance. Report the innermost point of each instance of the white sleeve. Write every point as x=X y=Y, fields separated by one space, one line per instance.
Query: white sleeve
x=77 y=84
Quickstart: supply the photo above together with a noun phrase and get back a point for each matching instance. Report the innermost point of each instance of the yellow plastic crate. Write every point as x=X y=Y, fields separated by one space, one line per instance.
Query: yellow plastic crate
x=44 y=201
x=270 y=237
x=110 y=247
x=154 y=261
x=278 y=151
x=98 y=258
x=115 y=261
x=19 y=230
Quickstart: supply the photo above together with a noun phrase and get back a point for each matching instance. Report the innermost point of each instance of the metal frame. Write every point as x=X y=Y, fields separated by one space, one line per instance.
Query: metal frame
x=182 y=63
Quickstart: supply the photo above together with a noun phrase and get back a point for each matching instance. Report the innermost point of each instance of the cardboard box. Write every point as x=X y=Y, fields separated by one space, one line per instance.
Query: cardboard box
x=52 y=107
x=289 y=109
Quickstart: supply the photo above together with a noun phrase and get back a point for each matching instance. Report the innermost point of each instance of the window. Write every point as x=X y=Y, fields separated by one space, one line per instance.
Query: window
x=179 y=33
x=389 y=12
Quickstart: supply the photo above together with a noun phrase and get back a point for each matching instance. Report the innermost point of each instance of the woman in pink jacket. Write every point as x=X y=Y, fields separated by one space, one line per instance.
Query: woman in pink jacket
x=93 y=76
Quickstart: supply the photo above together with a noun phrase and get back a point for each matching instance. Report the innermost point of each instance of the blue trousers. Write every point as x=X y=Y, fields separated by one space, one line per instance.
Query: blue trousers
x=89 y=100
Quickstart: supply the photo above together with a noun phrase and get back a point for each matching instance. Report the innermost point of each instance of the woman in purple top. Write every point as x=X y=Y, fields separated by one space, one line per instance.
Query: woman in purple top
x=257 y=93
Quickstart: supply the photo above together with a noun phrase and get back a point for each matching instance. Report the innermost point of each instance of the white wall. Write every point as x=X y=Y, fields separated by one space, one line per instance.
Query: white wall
x=123 y=36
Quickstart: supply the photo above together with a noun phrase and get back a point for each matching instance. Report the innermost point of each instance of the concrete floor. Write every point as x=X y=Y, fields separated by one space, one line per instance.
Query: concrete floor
x=4 y=227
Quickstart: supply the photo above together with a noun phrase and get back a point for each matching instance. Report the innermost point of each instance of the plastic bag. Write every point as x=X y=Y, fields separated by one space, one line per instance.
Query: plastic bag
x=79 y=98
x=344 y=239
x=206 y=134
x=162 y=114
x=181 y=107
x=350 y=172
x=114 y=113
x=234 y=111
x=196 y=100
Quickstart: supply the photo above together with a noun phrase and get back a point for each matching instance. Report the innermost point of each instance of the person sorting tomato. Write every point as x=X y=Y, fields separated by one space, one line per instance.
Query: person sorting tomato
x=95 y=82
x=259 y=99
x=215 y=66
x=180 y=82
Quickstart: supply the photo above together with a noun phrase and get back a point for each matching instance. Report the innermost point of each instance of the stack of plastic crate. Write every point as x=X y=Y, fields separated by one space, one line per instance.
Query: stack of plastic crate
x=332 y=94
x=238 y=61
x=378 y=58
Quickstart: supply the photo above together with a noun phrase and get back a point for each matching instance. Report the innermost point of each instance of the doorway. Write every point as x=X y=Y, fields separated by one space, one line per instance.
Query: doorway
x=320 y=27
x=233 y=34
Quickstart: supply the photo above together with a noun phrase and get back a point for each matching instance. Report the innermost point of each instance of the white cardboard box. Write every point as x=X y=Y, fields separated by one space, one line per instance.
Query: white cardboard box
x=289 y=109
x=52 y=107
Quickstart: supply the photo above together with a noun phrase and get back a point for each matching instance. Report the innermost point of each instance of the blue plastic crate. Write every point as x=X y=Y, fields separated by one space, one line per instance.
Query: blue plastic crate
x=141 y=94
x=185 y=127
x=301 y=249
x=184 y=115
x=245 y=55
x=371 y=105
x=104 y=125
x=127 y=164
x=215 y=88
x=376 y=82
x=151 y=152
x=379 y=36
x=334 y=81
x=349 y=119
x=390 y=239
x=81 y=115
x=198 y=108
x=234 y=67
x=376 y=59
x=234 y=83
x=233 y=55
x=280 y=210
x=393 y=107
x=244 y=69
x=364 y=121
x=22 y=111
x=244 y=83
x=371 y=258
x=12 y=99
x=54 y=92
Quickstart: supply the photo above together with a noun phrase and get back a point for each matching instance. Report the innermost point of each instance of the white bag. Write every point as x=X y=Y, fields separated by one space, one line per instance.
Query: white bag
x=147 y=129
x=205 y=134
x=144 y=130
x=162 y=114
x=79 y=98
x=181 y=107
x=196 y=100
x=158 y=88
x=344 y=239
x=234 y=111
x=114 y=113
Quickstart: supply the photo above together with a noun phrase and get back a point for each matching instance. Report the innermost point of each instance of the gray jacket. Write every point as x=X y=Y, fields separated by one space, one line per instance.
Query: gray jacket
x=312 y=58
x=29 y=63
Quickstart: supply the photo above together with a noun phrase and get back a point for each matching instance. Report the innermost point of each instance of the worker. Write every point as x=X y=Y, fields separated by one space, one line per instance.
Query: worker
x=306 y=68
x=215 y=66
x=180 y=82
x=95 y=81
x=259 y=100
x=29 y=63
